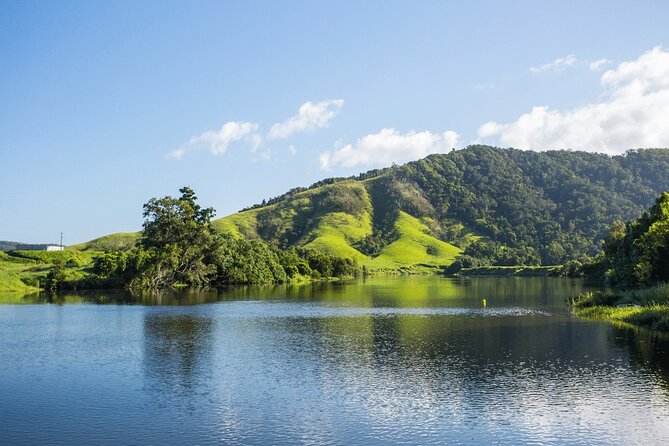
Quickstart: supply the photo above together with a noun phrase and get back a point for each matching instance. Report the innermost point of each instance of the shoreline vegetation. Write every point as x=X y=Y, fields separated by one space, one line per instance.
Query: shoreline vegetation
x=644 y=307
x=28 y=272
x=635 y=262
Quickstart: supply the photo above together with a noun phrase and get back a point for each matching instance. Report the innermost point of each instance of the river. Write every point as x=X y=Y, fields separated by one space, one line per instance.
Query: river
x=405 y=360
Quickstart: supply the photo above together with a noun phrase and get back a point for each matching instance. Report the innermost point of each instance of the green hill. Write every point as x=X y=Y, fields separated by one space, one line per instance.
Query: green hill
x=506 y=206
x=120 y=241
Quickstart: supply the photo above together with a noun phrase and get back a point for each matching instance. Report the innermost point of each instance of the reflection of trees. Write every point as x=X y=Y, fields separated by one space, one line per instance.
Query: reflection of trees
x=648 y=350
x=177 y=349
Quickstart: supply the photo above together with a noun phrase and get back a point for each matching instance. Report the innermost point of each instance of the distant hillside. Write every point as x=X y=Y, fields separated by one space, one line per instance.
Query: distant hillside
x=504 y=205
x=120 y=241
x=509 y=205
x=6 y=245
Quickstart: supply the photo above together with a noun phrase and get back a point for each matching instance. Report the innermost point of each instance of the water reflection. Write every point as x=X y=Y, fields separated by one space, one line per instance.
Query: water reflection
x=406 y=360
x=177 y=351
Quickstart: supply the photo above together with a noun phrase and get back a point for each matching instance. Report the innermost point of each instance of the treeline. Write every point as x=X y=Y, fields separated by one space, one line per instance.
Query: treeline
x=180 y=247
x=636 y=253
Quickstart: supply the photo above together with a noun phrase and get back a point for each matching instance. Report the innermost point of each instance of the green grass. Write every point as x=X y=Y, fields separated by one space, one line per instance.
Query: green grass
x=337 y=231
x=21 y=271
x=241 y=224
x=655 y=317
x=411 y=248
x=120 y=241
x=13 y=270
x=647 y=307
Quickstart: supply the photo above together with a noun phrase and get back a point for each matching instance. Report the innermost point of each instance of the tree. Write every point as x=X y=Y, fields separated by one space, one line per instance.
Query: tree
x=179 y=242
x=56 y=276
x=636 y=253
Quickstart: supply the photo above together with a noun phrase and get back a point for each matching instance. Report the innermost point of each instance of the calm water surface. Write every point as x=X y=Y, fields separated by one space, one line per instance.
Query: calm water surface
x=411 y=360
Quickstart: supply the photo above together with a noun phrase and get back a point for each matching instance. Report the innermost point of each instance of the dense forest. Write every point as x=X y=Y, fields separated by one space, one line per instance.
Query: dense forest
x=636 y=253
x=499 y=206
x=635 y=261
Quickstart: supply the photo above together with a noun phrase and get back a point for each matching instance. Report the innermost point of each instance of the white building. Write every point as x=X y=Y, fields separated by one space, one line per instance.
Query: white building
x=39 y=248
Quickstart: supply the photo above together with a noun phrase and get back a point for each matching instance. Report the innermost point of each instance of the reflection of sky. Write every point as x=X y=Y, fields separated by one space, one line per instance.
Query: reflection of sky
x=301 y=370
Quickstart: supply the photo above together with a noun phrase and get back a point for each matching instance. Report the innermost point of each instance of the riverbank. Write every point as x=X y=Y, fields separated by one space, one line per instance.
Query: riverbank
x=521 y=271
x=647 y=307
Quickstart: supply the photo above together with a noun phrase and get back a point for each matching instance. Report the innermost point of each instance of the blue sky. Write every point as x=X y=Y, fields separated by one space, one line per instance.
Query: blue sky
x=104 y=105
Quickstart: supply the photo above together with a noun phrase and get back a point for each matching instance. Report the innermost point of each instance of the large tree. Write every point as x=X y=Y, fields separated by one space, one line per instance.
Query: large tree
x=179 y=242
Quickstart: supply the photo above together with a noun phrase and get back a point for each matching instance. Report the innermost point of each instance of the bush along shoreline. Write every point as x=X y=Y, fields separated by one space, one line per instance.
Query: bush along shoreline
x=635 y=262
x=645 y=307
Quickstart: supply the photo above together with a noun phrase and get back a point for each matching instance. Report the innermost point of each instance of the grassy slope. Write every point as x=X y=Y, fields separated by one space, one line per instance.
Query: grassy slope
x=411 y=248
x=337 y=231
x=241 y=224
x=30 y=266
x=117 y=241
x=13 y=269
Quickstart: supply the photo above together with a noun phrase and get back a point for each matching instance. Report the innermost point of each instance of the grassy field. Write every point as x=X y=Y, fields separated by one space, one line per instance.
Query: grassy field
x=22 y=271
x=647 y=307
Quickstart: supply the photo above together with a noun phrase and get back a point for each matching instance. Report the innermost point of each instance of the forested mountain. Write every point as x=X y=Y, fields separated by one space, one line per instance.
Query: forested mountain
x=500 y=206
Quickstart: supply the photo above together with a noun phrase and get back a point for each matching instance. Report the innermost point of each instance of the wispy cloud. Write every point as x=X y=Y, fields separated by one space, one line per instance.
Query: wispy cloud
x=634 y=114
x=218 y=141
x=596 y=65
x=310 y=116
x=388 y=146
x=557 y=65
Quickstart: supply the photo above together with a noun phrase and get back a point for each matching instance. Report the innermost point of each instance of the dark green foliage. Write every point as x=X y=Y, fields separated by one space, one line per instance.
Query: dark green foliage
x=547 y=206
x=247 y=261
x=179 y=242
x=637 y=253
x=373 y=244
x=494 y=253
x=466 y=261
x=293 y=263
x=56 y=277
x=324 y=265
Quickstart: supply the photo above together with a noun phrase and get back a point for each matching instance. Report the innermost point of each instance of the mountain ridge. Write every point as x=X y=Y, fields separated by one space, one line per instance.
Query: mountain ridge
x=504 y=205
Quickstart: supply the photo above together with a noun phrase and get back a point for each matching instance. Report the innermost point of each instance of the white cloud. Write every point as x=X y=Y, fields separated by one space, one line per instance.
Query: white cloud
x=309 y=116
x=218 y=141
x=389 y=146
x=292 y=150
x=634 y=114
x=557 y=65
x=595 y=65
